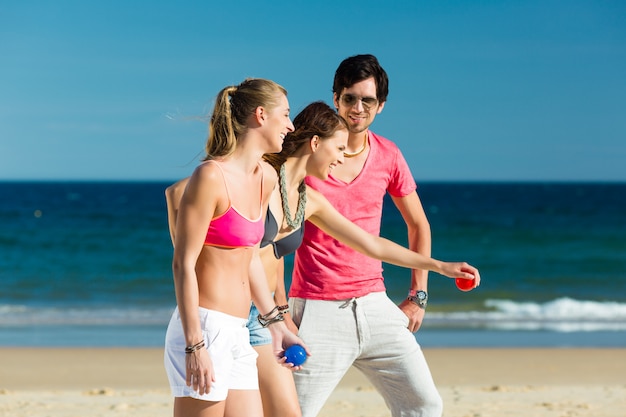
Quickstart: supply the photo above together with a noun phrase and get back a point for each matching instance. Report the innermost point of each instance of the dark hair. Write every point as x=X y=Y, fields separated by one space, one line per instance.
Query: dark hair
x=233 y=107
x=318 y=118
x=358 y=68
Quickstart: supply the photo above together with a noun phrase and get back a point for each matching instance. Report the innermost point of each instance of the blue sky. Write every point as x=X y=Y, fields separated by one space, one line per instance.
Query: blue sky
x=479 y=90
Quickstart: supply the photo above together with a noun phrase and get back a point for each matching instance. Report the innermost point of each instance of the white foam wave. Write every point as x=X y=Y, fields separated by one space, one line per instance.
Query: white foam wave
x=562 y=315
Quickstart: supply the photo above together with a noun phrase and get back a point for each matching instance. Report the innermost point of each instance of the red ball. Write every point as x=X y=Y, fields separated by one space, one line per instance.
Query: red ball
x=464 y=284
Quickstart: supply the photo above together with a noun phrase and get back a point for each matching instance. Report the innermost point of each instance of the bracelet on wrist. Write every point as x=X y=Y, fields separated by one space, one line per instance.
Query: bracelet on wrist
x=275 y=315
x=194 y=348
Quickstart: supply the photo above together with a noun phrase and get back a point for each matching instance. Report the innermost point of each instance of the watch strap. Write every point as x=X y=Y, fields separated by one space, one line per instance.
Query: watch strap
x=419 y=297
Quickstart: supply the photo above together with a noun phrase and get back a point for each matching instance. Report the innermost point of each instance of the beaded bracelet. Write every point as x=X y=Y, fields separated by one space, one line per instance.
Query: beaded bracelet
x=194 y=348
x=284 y=309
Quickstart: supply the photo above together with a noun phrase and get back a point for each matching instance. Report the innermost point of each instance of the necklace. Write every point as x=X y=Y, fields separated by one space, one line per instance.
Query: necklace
x=297 y=220
x=360 y=151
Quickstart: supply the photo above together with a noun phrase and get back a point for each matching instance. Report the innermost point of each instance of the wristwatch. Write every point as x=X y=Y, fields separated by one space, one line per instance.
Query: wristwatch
x=418 y=297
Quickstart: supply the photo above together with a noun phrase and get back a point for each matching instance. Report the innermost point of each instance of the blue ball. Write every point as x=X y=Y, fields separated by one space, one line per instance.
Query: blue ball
x=295 y=354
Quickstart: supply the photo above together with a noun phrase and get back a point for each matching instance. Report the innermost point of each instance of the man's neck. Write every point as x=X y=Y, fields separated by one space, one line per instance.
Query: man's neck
x=356 y=144
x=355 y=139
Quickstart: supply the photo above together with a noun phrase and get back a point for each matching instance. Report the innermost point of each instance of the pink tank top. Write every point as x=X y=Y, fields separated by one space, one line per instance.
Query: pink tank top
x=232 y=229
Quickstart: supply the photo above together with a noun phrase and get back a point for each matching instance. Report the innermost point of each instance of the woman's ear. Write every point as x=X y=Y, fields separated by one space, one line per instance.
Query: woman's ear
x=259 y=114
x=315 y=142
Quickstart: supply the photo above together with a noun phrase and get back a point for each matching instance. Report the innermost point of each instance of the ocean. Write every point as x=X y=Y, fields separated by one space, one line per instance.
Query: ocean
x=89 y=264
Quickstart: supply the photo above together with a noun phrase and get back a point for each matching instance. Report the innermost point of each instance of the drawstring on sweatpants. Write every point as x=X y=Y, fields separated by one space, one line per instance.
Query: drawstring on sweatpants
x=348 y=302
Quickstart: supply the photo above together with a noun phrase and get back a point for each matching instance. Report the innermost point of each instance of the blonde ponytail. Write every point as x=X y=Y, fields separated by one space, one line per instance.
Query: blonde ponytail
x=233 y=107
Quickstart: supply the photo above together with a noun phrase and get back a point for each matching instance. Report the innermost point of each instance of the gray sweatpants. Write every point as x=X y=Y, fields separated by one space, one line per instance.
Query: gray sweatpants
x=370 y=333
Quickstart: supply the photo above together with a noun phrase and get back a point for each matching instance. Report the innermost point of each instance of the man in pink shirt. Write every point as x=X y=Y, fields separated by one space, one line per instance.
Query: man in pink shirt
x=337 y=295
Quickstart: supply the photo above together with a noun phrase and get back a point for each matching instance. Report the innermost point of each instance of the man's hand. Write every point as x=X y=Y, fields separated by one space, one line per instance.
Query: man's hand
x=415 y=314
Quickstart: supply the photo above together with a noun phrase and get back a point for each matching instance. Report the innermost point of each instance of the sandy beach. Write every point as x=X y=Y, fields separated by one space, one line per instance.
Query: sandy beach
x=64 y=382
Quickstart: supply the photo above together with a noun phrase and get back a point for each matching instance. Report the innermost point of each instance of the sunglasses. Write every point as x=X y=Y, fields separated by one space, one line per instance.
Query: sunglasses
x=350 y=100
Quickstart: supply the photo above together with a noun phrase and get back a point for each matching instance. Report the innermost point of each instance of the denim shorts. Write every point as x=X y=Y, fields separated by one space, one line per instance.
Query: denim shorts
x=259 y=335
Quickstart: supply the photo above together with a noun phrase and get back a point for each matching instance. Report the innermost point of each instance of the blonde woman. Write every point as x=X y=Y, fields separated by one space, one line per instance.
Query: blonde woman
x=217 y=271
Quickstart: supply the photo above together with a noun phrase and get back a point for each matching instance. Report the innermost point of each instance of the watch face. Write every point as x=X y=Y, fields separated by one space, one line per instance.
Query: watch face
x=421 y=295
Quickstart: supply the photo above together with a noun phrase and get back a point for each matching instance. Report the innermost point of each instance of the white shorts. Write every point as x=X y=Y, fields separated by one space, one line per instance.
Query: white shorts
x=228 y=342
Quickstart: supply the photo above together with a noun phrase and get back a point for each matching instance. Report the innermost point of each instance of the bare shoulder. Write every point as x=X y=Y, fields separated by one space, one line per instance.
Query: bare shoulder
x=207 y=171
x=270 y=177
x=206 y=179
x=313 y=195
x=315 y=202
x=175 y=191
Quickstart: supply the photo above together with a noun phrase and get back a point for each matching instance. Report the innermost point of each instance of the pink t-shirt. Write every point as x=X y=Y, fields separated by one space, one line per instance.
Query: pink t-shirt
x=326 y=269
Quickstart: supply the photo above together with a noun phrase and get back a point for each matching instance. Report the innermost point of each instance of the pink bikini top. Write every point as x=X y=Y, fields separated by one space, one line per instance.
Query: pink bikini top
x=232 y=229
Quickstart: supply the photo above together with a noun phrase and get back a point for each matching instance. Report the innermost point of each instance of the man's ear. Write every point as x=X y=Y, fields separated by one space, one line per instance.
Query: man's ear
x=380 y=107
